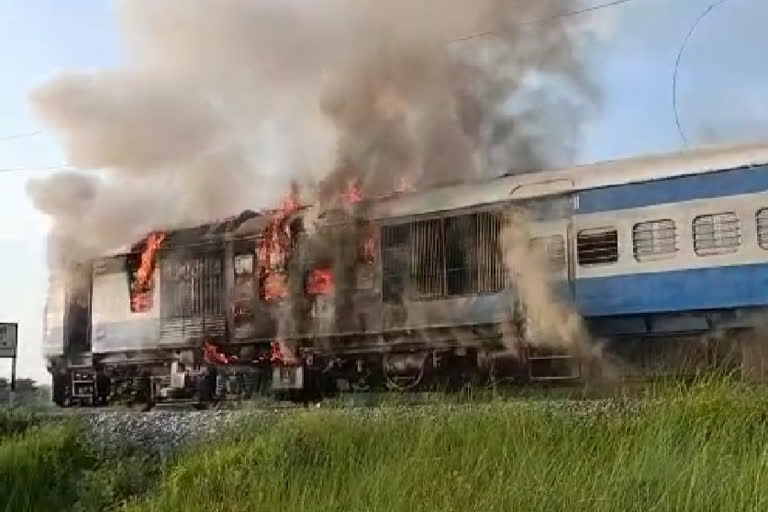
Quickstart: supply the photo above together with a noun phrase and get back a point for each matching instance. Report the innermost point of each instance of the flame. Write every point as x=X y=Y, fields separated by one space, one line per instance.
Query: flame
x=141 y=288
x=273 y=248
x=368 y=249
x=141 y=302
x=154 y=241
x=404 y=184
x=291 y=203
x=320 y=281
x=281 y=354
x=274 y=286
x=353 y=193
x=212 y=354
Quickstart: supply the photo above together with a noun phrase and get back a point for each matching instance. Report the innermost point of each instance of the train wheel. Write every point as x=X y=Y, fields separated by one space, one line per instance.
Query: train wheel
x=404 y=372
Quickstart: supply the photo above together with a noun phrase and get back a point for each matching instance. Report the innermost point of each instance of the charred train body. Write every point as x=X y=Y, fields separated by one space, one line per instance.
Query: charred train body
x=660 y=256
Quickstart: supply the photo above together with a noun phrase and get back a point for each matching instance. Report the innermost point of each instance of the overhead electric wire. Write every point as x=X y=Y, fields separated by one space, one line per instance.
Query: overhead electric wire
x=23 y=135
x=20 y=135
x=34 y=169
x=565 y=14
x=695 y=24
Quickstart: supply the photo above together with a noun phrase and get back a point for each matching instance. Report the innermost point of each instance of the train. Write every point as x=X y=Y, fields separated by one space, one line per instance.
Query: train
x=663 y=257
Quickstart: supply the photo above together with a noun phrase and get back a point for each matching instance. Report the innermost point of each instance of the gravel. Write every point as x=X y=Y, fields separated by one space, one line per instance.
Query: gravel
x=162 y=432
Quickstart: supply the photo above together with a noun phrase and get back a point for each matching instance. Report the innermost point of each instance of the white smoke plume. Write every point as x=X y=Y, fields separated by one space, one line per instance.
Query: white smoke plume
x=552 y=322
x=221 y=104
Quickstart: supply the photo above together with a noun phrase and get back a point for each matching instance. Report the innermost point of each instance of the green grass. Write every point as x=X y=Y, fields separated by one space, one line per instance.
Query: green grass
x=698 y=447
x=16 y=422
x=51 y=467
x=35 y=469
x=704 y=448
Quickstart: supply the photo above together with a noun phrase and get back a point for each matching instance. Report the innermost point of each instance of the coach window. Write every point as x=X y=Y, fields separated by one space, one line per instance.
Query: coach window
x=243 y=265
x=718 y=233
x=427 y=258
x=597 y=246
x=761 y=217
x=654 y=240
x=551 y=249
x=395 y=259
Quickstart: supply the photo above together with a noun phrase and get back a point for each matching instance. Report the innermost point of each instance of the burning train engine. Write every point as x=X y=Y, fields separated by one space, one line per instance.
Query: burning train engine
x=293 y=303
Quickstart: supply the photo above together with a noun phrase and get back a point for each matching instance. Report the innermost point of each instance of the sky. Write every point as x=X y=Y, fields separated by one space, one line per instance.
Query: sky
x=722 y=97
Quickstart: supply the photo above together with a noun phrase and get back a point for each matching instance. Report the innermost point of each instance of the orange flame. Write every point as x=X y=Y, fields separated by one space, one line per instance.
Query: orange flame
x=281 y=354
x=368 y=250
x=353 y=193
x=212 y=354
x=141 y=302
x=274 y=286
x=154 y=241
x=320 y=281
x=273 y=248
x=141 y=288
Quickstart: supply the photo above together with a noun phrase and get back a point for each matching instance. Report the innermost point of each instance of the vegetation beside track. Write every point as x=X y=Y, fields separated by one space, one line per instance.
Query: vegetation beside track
x=698 y=447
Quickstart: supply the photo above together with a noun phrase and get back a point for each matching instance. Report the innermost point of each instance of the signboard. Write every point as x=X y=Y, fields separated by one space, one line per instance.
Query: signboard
x=8 y=339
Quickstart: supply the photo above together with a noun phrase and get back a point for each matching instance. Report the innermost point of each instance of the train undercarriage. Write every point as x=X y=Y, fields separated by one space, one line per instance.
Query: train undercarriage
x=311 y=374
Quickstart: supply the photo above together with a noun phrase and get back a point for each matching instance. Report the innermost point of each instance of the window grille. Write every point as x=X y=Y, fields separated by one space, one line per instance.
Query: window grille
x=460 y=254
x=192 y=287
x=597 y=246
x=442 y=257
x=718 y=233
x=427 y=258
x=761 y=217
x=491 y=271
x=654 y=240
x=394 y=262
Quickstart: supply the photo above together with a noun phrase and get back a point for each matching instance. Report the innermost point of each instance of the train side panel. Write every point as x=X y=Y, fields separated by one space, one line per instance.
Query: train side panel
x=115 y=327
x=53 y=319
x=702 y=253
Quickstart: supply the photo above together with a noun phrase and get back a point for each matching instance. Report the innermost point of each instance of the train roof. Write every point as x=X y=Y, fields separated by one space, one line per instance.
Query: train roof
x=510 y=187
x=199 y=234
x=582 y=177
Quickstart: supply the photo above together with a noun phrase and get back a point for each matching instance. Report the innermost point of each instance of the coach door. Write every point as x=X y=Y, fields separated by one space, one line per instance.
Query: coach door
x=549 y=205
x=550 y=229
x=550 y=255
x=549 y=250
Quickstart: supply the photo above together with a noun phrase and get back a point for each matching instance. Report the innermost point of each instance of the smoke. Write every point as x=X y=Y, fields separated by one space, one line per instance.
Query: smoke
x=551 y=321
x=219 y=106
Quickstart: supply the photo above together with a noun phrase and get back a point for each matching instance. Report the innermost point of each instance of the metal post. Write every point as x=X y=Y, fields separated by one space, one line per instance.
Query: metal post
x=13 y=381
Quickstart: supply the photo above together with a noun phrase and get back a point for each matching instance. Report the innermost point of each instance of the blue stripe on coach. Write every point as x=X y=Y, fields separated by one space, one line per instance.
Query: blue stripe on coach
x=680 y=290
x=670 y=190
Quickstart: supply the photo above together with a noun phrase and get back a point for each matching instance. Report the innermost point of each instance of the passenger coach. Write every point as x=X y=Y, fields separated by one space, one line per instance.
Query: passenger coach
x=666 y=258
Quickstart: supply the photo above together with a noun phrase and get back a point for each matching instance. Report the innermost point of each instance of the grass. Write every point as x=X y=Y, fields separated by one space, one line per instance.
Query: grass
x=16 y=422
x=700 y=447
x=51 y=467
x=35 y=469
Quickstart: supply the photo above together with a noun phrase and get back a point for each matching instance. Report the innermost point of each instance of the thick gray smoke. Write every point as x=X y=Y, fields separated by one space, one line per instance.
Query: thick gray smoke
x=221 y=104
